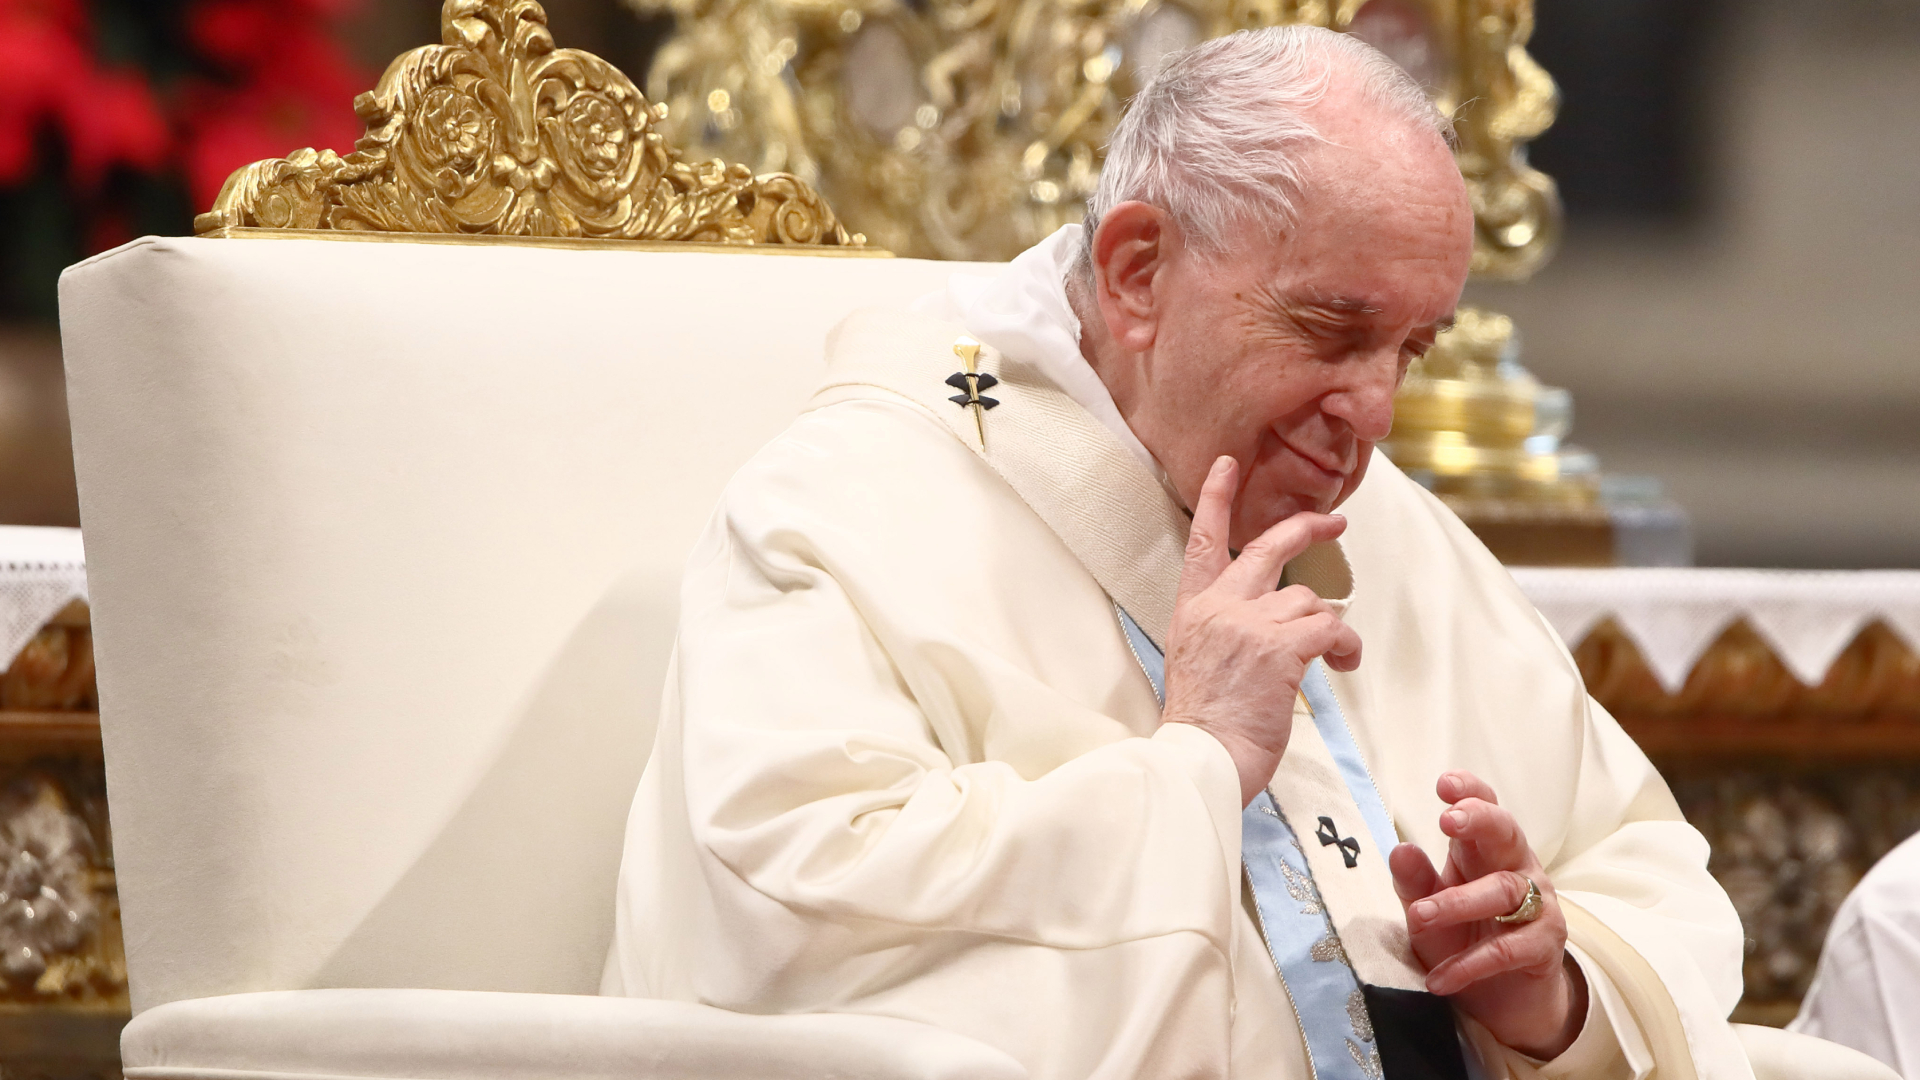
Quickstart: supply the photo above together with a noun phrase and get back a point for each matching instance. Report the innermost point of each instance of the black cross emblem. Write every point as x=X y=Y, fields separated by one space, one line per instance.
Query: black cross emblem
x=1349 y=847
x=970 y=382
x=970 y=387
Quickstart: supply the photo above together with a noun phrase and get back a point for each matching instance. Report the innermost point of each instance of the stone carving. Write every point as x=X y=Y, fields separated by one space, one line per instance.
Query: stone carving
x=1788 y=847
x=54 y=671
x=47 y=907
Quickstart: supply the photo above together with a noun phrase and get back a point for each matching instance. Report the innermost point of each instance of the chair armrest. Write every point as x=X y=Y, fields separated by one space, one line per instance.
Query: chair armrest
x=1788 y=1055
x=473 y=1035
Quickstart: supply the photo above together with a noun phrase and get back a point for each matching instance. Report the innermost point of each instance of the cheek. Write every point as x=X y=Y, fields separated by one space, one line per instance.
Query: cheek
x=1199 y=388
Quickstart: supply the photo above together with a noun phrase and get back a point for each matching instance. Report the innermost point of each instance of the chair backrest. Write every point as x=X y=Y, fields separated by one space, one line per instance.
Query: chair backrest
x=384 y=542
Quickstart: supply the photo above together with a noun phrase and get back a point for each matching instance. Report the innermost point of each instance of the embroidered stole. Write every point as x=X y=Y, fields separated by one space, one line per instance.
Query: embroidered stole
x=1332 y=991
x=1326 y=901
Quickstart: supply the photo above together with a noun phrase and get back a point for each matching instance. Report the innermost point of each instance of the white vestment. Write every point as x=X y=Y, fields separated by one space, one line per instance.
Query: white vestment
x=1870 y=964
x=908 y=764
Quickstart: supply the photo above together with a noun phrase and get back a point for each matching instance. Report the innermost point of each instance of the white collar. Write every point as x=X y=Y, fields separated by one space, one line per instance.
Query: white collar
x=1022 y=311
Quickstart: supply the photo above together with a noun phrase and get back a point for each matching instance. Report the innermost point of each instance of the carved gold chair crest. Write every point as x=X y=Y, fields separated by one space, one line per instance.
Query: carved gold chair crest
x=497 y=132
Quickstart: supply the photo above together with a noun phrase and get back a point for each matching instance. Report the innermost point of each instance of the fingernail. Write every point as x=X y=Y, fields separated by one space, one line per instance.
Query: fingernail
x=1426 y=910
x=1220 y=463
x=1456 y=818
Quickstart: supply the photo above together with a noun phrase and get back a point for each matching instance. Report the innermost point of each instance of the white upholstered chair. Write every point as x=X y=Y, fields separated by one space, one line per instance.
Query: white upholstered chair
x=384 y=542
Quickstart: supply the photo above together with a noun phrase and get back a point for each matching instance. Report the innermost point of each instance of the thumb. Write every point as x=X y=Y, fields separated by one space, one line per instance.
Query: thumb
x=1414 y=877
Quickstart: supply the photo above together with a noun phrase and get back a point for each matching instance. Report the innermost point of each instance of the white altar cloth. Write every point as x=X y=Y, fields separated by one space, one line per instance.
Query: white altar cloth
x=1672 y=615
x=41 y=571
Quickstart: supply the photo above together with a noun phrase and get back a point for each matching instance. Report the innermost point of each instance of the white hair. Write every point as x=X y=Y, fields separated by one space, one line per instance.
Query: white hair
x=1217 y=139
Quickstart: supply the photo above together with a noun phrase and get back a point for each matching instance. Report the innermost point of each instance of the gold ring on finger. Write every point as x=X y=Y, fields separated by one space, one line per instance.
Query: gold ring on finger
x=1529 y=909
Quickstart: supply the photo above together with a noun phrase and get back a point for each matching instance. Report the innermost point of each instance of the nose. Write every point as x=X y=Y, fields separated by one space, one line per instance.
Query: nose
x=1366 y=403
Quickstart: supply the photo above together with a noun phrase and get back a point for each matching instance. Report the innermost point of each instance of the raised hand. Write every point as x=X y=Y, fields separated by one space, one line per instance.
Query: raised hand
x=1514 y=978
x=1238 y=649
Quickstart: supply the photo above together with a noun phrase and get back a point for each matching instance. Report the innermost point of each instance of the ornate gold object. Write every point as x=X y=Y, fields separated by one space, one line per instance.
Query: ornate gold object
x=1465 y=416
x=1867 y=703
x=63 y=971
x=1473 y=425
x=496 y=132
x=970 y=129
x=53 y=671
x=1503 y=100
x=1798 y=789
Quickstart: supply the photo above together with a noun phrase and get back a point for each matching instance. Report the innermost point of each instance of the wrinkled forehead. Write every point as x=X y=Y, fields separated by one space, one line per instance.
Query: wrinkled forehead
x=1402 y=237
x=1394 y=264
x=1389 y=309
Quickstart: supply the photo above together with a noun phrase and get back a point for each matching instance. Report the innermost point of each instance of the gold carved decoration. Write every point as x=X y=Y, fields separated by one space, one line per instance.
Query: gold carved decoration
x=1869 y=694
x=1482 y=433
x=1467 y=416
x=53 y=672
x=63 y=969
x=969 y=129
x=497 y=132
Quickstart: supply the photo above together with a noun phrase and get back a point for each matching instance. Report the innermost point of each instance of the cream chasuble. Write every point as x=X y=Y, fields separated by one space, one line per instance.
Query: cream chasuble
x=909 y=764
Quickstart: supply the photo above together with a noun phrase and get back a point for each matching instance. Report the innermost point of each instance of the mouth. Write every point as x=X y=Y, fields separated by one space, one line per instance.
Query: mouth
x=1335 y=471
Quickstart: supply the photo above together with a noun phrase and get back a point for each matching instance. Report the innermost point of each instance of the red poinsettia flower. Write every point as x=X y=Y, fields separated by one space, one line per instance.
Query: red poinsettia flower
x=292 y=86
x=49 y=78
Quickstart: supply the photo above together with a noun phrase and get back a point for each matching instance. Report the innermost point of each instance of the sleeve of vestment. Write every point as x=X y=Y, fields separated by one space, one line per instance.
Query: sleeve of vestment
x=844 y=689
x=1663 y=942
x=1467 y=675
x=1608 y=1046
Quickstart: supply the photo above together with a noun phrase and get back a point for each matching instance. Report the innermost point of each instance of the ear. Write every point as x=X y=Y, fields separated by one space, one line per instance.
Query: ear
x=1131 y=249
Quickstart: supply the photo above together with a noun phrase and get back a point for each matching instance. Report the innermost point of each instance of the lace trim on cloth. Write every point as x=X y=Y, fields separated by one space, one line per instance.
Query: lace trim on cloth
x=1673 y=615
x=41 y=571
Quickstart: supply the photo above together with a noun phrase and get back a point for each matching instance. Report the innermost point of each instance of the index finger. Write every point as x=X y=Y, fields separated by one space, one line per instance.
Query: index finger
x=1207 y=554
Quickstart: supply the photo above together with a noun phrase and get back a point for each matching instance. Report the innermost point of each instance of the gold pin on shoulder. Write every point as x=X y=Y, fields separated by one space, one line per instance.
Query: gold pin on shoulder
x=970 y=380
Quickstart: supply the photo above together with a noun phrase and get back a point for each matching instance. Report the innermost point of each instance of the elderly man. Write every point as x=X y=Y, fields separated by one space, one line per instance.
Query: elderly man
x=1029 y=687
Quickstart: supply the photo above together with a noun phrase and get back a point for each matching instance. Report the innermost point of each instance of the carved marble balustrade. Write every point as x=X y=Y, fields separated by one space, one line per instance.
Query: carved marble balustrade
x=63 y=975
x=1784 y=709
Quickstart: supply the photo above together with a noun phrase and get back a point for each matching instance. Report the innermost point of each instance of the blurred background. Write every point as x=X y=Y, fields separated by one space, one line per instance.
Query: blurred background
x=1730 y=307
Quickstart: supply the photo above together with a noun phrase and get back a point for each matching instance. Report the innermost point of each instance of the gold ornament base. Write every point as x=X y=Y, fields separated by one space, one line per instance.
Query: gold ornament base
x=1520 y=533
x=1483 y=434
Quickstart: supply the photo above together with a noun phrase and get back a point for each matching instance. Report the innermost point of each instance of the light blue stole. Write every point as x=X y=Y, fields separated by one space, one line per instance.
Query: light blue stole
x=1299 y=932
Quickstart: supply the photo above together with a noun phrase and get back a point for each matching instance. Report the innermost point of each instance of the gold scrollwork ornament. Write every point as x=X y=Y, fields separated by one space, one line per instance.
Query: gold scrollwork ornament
x=970 y=129
x=497 y=132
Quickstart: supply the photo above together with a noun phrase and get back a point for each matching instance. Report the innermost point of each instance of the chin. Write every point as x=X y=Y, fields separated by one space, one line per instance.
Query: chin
x=1261 y=506
x=1255 y=516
